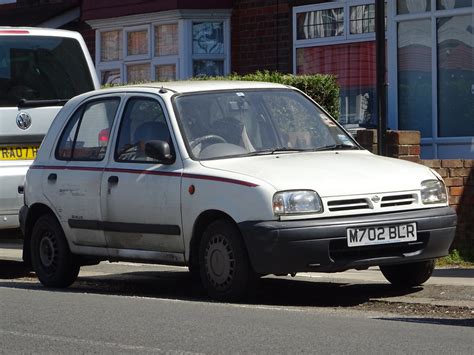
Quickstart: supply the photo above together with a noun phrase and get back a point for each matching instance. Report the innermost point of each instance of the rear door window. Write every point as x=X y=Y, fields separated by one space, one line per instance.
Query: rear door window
x=41 y=68
x=86 y=135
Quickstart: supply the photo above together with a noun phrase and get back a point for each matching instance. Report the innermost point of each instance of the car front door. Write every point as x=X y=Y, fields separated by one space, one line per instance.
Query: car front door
x=73 y=179
x=141 y=195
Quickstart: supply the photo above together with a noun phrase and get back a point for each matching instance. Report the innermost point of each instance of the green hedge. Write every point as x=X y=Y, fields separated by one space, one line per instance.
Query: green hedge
x=321 y=88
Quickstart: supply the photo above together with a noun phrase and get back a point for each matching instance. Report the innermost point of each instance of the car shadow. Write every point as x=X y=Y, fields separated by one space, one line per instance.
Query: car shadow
x=12 y=269
x=271 y=291
x=463 y=322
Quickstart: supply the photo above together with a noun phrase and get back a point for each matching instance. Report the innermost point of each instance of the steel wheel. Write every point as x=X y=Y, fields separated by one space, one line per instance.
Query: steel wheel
x=224 y=265
x=220 y=262
x=52 y=260
x=48 y=251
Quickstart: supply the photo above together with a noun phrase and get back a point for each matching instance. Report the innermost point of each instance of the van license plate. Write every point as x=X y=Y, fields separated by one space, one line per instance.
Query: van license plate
x=362 y=236
x=23 y=152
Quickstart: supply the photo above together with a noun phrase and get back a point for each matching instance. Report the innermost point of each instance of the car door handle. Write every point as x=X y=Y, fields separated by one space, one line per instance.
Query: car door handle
x=113 y=179
x=52 y=177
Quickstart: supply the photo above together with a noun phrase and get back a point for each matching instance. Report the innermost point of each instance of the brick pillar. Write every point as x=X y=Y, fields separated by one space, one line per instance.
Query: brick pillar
x=404 y=145
x=367 y=138
x=400 y=144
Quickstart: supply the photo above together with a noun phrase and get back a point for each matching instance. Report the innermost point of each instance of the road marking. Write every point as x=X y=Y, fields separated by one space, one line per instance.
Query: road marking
x=87 y=342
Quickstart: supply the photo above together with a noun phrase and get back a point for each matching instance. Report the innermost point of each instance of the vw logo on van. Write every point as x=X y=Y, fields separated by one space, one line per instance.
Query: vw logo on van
x=23 y=120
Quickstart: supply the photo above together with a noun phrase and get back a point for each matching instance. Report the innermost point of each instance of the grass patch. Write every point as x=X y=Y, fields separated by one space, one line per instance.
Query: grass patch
x=457 y=258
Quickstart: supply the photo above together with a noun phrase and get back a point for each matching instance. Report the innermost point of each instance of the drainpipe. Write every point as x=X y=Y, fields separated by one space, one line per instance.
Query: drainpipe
x=380 y=75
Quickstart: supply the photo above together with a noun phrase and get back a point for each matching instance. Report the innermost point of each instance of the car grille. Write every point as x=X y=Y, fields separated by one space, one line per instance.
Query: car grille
x=346 y=205
x=365 y=203
x=398 y=200
x=339 y=251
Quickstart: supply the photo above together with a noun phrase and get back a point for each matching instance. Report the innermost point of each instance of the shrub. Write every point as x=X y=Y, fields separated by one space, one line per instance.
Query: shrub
x=322 y=88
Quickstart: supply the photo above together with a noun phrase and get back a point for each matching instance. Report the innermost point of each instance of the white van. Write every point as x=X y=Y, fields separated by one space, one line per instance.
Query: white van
x=40 y=69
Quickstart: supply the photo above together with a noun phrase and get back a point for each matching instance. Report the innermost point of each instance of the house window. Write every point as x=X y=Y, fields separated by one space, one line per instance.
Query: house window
x=432 y=89
x=166 y=39
x=337 y=37
x=137 y=43
x=321 y=23
x=138 y=73
x=208 y=48
x=414 y=76
x=165 y=72
x=111 y=46
x=162 y=47
x=413 y=6
x=362 y=19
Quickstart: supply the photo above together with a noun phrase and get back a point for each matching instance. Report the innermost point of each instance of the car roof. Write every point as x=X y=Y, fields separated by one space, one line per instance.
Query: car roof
x=198 y=86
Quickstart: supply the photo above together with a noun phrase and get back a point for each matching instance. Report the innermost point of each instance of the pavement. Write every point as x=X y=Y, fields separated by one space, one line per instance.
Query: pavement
x=448 y=287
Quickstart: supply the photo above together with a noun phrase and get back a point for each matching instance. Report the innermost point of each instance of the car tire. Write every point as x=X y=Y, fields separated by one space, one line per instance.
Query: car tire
x=224 y=266
x=51 y=257
x=408 y=275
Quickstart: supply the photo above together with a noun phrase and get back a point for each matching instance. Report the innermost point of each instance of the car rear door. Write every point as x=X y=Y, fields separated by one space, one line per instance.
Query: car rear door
x=140 y=195
x=72 y=181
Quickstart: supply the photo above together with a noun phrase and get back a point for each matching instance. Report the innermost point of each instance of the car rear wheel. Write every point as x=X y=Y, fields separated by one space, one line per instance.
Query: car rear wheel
x=224 y=266
x=408 y=275
x=52 y=260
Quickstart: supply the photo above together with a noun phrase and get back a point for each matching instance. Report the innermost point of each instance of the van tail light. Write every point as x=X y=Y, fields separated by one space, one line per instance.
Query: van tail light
x=104 y=137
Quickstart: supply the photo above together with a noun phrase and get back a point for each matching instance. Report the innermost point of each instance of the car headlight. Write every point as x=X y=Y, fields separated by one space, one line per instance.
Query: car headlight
x=296 y=202
x=433 y=191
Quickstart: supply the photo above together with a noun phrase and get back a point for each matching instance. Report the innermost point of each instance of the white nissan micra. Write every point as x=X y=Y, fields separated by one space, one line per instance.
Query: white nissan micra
x=234 y=180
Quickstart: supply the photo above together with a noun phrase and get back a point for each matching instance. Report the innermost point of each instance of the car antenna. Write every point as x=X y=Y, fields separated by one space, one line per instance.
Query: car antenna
x=163 y=90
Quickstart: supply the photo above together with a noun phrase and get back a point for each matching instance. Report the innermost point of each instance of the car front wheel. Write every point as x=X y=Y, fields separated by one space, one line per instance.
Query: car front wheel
x=408 y=275
x=224 y=266
x=52 y=260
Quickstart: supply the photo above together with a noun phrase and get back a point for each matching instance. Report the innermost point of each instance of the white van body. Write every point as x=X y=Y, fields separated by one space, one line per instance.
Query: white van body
x=40 y=69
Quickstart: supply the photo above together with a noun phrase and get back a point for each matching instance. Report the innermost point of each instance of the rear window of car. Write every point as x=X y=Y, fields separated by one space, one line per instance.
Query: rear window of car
x=41 y=68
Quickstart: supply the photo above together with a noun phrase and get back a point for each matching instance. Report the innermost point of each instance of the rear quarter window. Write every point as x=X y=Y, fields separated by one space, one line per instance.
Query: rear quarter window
x=86 y=135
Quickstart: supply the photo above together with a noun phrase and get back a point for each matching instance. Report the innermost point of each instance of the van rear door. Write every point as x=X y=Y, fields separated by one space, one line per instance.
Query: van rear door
x=39 y=71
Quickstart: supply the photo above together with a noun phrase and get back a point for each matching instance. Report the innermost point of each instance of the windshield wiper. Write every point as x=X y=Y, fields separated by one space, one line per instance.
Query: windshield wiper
x=336 y=147
x=276 y=150
x=40 y=103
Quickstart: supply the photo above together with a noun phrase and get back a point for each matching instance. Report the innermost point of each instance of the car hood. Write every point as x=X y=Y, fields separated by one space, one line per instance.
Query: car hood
x=335 y=173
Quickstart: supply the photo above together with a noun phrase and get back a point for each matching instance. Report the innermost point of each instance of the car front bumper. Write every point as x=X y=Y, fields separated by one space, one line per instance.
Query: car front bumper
x=282 y=247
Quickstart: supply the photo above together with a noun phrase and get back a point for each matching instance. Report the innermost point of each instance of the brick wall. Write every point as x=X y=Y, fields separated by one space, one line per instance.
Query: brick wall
x=261 y=36
x=458 y=174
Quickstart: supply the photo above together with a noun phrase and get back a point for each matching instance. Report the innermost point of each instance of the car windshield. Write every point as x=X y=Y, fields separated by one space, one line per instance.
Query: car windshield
x=256 y=122
x=41 y=68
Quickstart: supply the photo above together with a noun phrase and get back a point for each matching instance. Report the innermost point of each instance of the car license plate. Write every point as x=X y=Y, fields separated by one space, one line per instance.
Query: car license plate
x=23 y=152
x=362 y=236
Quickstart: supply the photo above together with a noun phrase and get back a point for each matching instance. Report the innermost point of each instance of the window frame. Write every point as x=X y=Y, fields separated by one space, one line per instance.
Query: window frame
x=347 y=37
x=183 y=60
x=135 y=57
x=172 y=59
x=129 y=64
x=431 y=144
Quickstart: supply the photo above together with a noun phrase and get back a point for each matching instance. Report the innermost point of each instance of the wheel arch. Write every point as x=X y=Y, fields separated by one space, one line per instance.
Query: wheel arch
x=34 y=213
x=200 y=225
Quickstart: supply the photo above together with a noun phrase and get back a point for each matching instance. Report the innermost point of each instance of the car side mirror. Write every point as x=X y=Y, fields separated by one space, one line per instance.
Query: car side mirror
x=159 y=150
